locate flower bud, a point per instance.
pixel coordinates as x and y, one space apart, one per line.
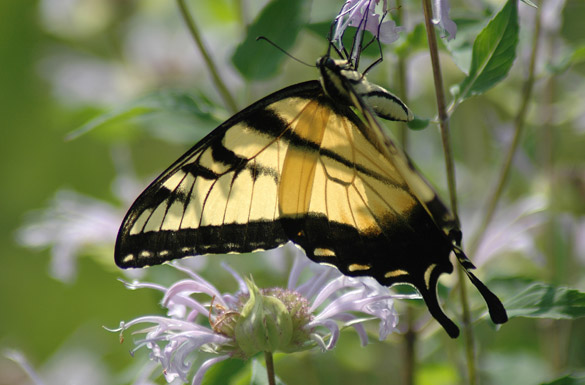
264 325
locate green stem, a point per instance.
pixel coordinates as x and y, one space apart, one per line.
518 128
556 334
467 328
450 169
409 359
270 368
409 340
401 78
222 89
441 105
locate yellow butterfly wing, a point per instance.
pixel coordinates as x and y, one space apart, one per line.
289 156
300 166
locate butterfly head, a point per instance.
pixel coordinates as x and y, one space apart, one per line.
342 83
334 78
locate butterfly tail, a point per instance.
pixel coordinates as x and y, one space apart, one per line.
429 293
496 308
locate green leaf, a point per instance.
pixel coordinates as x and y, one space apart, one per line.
225 371
468 27
578 56
494 51
574 57
167 101
320 29
547 301
280 21
418 123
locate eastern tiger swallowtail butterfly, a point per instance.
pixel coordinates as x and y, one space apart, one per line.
308 164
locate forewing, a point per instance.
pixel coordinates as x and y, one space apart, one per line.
222 195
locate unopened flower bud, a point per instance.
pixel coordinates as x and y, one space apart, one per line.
264 325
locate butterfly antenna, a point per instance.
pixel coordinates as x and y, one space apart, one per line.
283 51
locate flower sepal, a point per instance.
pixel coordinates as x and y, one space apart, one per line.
265 324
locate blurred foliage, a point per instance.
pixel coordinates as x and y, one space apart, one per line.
283 19
124 76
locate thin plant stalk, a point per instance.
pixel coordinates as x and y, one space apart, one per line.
270 368
450 170
409 340
211 67
401 78
441 106
409 349
556 334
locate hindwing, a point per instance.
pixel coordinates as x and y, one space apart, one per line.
301 166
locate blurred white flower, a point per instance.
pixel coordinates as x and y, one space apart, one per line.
74 223
71 223
75 18
512 230
579 238
69 365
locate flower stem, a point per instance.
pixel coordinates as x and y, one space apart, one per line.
555 336
518 128
410 336
409 360
401 77
441 106
450 170
269 368
221 87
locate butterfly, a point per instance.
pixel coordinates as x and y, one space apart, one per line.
309 164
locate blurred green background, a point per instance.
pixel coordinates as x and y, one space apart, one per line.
134 65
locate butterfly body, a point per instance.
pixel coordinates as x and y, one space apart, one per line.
339 80
311 165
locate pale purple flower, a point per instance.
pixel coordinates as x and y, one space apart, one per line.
362 14
71 364
441 18
578 232
19 358
340 297
512 230
318 308
552 14
70 224
74 223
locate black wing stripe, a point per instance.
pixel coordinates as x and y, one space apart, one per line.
197 170
259 124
